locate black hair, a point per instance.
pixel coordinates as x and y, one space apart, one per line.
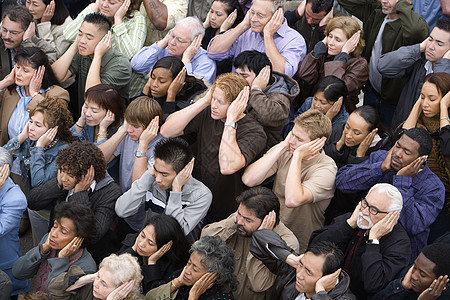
443 24
19 14
423 138
168 229
261 201
230 6
333 88
438 254
81 215
334 257
318 6
172 63
103 23
254 60
174 151
61 12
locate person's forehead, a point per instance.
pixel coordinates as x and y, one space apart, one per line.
11 25
378 199
246 212
262 6
440 35
312 14
425 265
408 143
90 28
313 262
182 31
244 70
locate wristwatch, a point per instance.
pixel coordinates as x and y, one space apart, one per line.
140 153
232 124
373 242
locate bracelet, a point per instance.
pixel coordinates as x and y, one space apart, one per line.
76 124
34 94
174 285
445 118
103 136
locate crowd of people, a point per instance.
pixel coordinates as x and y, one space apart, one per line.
225 149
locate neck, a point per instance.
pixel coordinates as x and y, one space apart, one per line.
27 91
310 295
392 16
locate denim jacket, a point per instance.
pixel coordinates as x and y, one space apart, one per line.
40 161
87 135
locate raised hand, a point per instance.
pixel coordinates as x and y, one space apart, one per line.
335 108
160 253
121 12
275 22
262 79
71 248
384 226
96 6
192 50
82 281
351 43
202 285
165 41
150 132
4 173
435 290
246 22
36 80
413 168
122 291
424 44
30 32
341 142
301 8
352 221
23 135
176 85
311 149
46 245
406 282
327 18
106 121
86 180
285 142
327 282
447 54
9 79
365 144
207 23
183 176
386 164
229 21
236 109
48 12
47 137
103 46
445 101
268 221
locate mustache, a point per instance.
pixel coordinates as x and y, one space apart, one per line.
8 40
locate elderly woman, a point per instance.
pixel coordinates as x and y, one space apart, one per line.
62 247
209 274
338 54
118 277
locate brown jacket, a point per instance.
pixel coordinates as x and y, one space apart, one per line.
254 278
9 100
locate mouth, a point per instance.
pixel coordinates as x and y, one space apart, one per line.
396 161
51 242
349 142
154 92
186 278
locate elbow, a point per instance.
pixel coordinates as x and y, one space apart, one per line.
247 179
291 201
166 132
160 25
228 170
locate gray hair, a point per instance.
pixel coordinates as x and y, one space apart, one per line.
195 25
276 4
5 158
392 193
217 257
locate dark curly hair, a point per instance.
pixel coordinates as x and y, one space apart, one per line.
56 113
78 157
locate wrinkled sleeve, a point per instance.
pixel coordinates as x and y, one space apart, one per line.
130 35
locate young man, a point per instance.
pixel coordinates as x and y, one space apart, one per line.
92 59
304 181
168 188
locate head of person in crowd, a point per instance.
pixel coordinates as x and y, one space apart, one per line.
319 260
327 92
316 10
381 199
75 161
261 13
72 220
48 114
114 271
435 87
413 143
162 233
109 8
338 31
224 91
139 113
431 263
98 101
309 126
29 61
91 32
362 121
57 16
182 35
210 255
388 8
438 43
15 22
221 9
250 63
33 296
5 158
254 205
171 156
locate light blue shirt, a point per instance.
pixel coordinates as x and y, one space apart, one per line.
430 10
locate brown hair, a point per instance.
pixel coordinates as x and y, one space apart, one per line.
142 110
315 123
134 5
349 26
231 84
440 80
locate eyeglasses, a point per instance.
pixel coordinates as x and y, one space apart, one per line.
13 33
372 209
177 39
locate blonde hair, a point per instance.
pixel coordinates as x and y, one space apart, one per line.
231 84
124 268
349 26
142 110
315 123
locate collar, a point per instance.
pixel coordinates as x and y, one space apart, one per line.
283 29
428 67
90 189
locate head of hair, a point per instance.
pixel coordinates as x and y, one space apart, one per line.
443 24
438 254
254 60
35 58
175 152
261 201
56 113
134 5
101 21
19 14
168 229
195 24
276 4
61 12
332 87
171 63
231 84
349 26
81 215
440 80
78 157
107 97
370 115
5 158
142 110
230 6
315 123
334 257
124 268
33 296
318 6
423 138
391 193
217 257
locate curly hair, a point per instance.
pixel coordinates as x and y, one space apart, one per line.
349 26
217 257
56 113
124 268
231 84
78 157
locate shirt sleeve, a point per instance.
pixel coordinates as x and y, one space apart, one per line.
71 30
146 58
130 35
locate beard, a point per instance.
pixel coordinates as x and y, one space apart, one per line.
361 218
242 231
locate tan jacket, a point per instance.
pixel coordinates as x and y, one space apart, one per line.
253 276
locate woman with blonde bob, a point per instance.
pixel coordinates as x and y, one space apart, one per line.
338 54
118 277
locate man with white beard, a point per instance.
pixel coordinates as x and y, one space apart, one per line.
376 247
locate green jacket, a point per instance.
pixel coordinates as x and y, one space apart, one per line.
408 29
